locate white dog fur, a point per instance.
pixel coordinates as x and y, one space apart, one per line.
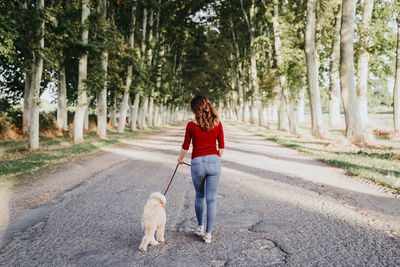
154 218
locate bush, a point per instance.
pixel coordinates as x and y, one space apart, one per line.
5 123
16 116
380 98
47 121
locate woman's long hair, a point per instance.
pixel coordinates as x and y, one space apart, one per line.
206 116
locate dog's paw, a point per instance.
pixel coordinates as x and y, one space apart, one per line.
143 248
154 243
161 240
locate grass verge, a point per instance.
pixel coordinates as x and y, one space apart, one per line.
17 164
379 162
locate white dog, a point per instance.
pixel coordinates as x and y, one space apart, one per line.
154 218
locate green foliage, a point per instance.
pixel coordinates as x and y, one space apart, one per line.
379 98
47 121
5 123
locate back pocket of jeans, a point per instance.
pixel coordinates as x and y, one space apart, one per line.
213 167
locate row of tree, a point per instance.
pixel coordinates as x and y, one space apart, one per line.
118 57
279 49
257 60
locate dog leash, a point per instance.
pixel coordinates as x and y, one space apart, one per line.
173 175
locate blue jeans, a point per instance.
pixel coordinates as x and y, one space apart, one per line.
206 173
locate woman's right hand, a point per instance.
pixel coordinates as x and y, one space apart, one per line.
182 155
220 152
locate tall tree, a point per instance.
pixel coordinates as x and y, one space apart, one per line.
27 94
396 89
82 103
102 95
363 60
313 70
349 96
125 99
36 79
255 114
334 80
62 112
282 121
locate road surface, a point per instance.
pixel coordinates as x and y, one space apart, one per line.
275 206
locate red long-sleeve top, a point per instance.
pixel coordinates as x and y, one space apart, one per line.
204 143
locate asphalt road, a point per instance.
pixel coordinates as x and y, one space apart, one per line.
274 207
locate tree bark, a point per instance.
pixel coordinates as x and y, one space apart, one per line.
396 89
285 98
353 123
102 101
114 110
27 104
363 60
27 95
282 115
255 102
82 76
86 120
102 95
125 99
62 113
135 112
35 87
300 107
144 112
334 79
312 71
150 62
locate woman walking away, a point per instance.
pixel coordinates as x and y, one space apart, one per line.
206 164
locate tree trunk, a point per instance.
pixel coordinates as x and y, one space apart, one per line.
363 60
102 101
282 115
334 79
312 71
353 123
82 76
134 115
102 96
254 116
396 89
291 111
114 110
150 116
62 113
125 99
86 120
144 111
300 107
156 115
285 94
35 89
27 104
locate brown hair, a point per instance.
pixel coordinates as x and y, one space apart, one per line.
206 116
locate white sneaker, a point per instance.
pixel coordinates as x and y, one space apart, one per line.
200 231
207 238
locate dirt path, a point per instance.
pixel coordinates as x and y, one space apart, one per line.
275 206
